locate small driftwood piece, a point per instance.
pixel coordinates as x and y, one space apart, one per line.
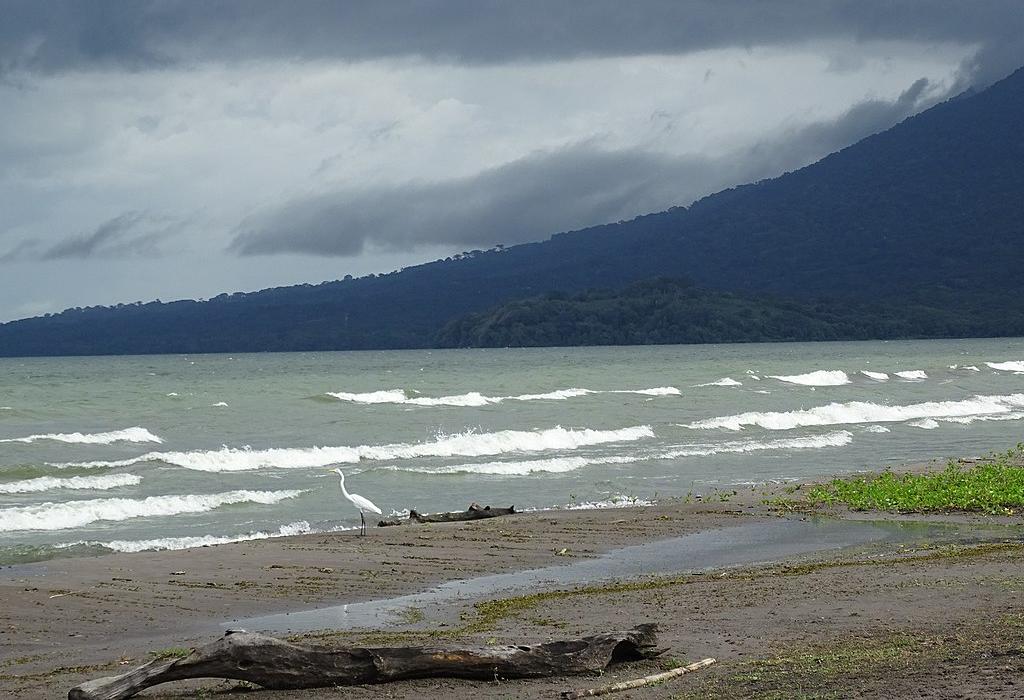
474 512
638 683
276 664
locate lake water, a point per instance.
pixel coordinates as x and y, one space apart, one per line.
131 453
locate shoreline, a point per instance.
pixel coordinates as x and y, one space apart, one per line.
68 620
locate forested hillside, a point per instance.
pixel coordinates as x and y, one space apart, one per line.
663 311
933 207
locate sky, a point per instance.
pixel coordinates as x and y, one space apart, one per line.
165 149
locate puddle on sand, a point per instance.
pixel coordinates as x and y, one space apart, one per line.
756 543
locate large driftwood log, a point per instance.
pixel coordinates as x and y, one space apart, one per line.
474 512
273 663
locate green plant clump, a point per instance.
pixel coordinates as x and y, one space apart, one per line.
996 488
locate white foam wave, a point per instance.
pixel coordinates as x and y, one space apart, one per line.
135 434
72 514
724 381
877 376
220 404
459 445
876 429
656 391
912 374
1007 366
475 398
386 396
554 465
613 502
567 464
172 543
822 377
865 412
924 423
49 483
967 420
836 439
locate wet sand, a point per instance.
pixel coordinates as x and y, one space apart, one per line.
786 602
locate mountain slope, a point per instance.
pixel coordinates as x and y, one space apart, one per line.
930 209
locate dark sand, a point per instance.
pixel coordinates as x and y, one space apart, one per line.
911 611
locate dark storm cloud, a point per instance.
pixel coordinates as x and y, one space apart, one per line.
60 34
544 193
130 234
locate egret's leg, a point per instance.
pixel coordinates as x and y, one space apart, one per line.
362 521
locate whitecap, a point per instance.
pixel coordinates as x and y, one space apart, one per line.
567 464
72 514
462 444
175 543
724 381
613 502
912 374
876 429
967 420
1007 366
48 483
135 434
219 404
865 412
877 376
924 423
476 399
822 377
837 439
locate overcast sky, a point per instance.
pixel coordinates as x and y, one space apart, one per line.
166 149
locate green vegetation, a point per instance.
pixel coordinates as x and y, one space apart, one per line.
995 487
667 310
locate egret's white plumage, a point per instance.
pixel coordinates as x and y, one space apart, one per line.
363 504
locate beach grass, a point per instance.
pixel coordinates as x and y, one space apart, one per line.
994 487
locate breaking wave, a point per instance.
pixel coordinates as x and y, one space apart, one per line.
568 464
724 381
1007 366
823 377
912 374
63 516
135 434
475 398
228 459
49 483
165 543
877 376
924 423
865 412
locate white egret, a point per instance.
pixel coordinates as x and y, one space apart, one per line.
363 504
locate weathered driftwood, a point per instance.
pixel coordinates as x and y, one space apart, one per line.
474 512
273 663
638 683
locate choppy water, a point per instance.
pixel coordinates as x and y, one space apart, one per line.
131 453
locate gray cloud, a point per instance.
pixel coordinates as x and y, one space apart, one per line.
547 192
62 34
521 201
127 235
811 142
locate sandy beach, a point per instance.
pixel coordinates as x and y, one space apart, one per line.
791 604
